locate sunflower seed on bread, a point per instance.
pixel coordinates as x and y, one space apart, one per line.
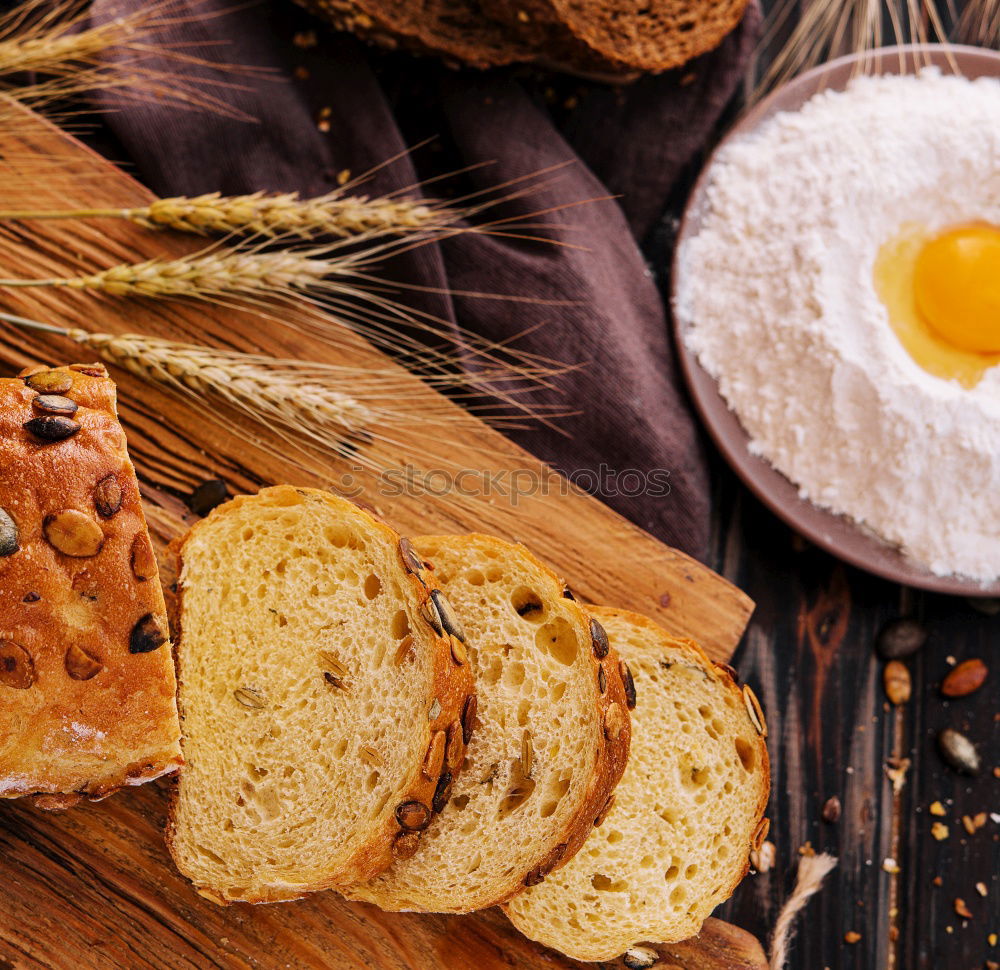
549 747
306 730
676 841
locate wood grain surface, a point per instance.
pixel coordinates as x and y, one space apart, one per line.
93 888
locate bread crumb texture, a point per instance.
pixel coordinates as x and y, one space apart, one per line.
307 681
676 840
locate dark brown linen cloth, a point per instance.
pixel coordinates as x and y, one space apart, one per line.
598 301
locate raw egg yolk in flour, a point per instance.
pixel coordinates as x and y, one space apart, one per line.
943 296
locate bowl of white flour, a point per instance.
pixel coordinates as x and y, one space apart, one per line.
813 221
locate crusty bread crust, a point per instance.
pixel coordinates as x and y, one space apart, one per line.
87 705
452 686
610 730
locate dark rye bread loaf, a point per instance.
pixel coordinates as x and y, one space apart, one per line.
644 35
456 29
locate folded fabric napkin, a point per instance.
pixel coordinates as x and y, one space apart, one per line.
598 304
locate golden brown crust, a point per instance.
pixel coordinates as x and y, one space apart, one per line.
452 687
87 693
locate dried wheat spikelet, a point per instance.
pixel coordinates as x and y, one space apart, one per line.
270 214
335 409
58 42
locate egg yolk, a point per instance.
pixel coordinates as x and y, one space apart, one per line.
957 287
942 294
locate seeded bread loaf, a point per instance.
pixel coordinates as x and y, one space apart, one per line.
86 675
324 684
552 739
676 840
644 35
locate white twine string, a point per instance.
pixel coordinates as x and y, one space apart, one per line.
812 871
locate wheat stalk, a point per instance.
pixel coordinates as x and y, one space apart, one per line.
335 408
269 214
57 42
979 23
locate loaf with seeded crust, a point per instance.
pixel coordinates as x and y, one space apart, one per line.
325 692
551 742
676 840
87 693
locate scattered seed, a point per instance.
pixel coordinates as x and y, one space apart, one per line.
334 681
602 679
518 793
430 613
413 816
331 663
107 496
764 858
142 558
890 866
536 875
469 709
146 635
435 710
568 593
964 679
454 751
52 427
760 833
599 640
404 651
973 823
405 845
896 680
73 534
640 958
895 771
614 721
250 697
371 757
91 370
527 754
449 621
207 496
17 669
458 652
940 831
961 909
8 534
442 792
959 751
831 809
434 759
851 936
55 404
981 889
900 638
754 710
50 382
411 561
628 683
80 665
936 808
31 597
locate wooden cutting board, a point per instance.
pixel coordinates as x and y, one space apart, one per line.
93 887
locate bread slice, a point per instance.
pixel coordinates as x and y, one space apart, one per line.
321 672
552 740
458 29
645 35
689 809
87 694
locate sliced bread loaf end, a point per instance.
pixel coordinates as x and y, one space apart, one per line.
317 679
676 840
552 739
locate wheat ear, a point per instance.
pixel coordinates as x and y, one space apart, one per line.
270 214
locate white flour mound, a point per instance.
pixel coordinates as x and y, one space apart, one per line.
776 297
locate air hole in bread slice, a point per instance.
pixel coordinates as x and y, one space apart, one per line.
527 604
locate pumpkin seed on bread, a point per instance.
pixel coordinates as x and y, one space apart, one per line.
551 743
676 840
320 673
